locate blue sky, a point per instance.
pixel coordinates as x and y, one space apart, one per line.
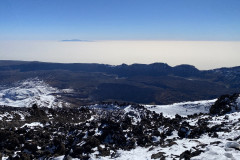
204 20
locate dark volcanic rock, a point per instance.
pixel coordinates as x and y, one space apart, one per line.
70 132
159 155
224 104
184 130
187 155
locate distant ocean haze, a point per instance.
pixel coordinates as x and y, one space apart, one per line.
202 54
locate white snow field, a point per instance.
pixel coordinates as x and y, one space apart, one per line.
183 108
29 92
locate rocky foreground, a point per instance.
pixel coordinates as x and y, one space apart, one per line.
120 131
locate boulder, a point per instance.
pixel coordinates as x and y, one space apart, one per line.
224 104
184 130
159 155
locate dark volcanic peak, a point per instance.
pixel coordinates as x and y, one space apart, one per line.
154 69
186 67
186 70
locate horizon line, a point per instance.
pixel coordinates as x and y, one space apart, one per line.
128 64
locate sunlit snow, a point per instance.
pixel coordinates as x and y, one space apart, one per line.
183 108
29 92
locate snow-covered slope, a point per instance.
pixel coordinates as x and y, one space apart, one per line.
123 132
29 92
115 131
223 147
183 108
220 142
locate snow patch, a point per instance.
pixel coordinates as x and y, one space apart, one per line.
29 92
33 124
183 108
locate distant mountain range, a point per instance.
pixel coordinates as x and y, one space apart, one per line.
156 83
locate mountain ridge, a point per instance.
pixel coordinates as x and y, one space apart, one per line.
156 83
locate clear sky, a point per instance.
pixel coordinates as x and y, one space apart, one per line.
205 33
120 19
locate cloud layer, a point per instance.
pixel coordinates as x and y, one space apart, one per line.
202 54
